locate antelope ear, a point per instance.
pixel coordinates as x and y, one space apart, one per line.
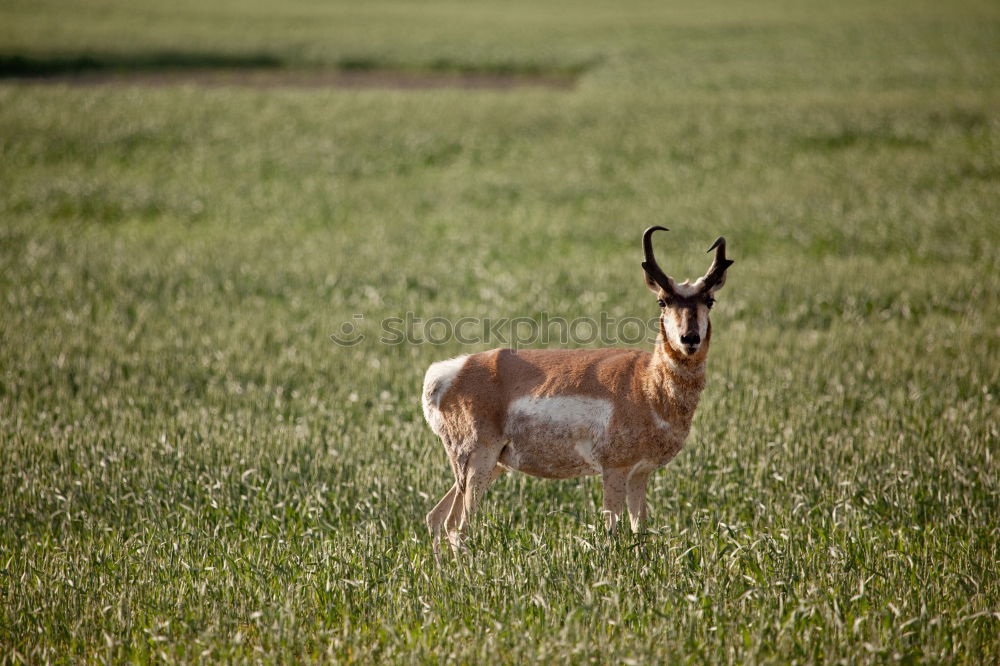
651 284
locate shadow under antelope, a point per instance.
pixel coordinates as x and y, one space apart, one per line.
558 414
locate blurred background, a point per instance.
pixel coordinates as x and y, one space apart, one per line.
195 196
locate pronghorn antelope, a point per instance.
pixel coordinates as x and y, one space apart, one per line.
557 414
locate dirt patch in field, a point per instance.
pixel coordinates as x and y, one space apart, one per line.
306 78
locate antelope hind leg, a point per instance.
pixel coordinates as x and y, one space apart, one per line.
458 519
439 514
637 482
614 496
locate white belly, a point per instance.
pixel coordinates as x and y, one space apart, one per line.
556 437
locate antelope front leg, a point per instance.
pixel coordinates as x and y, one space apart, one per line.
614 496
637 482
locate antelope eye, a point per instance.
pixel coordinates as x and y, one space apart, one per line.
710 302
662 303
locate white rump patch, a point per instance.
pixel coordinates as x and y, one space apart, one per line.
437 381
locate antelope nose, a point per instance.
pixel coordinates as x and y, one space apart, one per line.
690 338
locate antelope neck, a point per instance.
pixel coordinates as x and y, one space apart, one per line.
675 381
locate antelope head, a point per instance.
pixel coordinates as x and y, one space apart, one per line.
684 307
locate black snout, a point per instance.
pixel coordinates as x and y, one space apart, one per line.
690 339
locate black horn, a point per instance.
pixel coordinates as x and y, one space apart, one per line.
649 265
716 274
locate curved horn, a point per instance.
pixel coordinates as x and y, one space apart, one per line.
716 274
649 265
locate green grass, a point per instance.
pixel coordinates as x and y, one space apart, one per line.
192 470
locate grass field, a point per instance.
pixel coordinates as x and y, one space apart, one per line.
191 469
